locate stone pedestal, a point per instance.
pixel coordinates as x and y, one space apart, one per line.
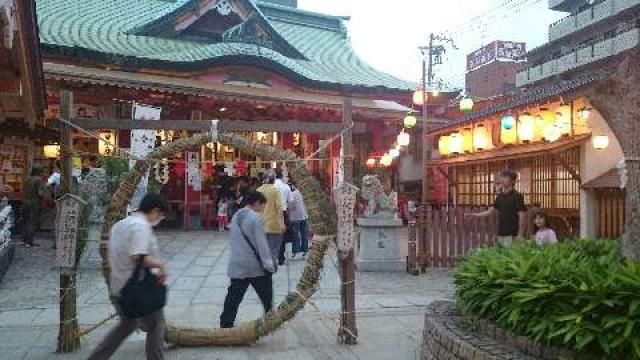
380 245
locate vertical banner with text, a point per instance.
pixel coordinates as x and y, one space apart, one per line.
142 143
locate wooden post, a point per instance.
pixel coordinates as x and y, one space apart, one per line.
68 340
348 333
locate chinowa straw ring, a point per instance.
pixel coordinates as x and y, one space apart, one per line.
322 216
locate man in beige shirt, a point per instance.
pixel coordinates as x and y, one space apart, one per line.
272 215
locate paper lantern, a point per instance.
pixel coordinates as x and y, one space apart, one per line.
600 142
51 151
508 122
394 153
410 121
404 139
480 137
371 162
466 105
467 142
443 145
552 133
456 143
386 160
107 146
526 127
419 97
563 119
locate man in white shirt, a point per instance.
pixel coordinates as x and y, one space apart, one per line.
285 194
130 239
284 189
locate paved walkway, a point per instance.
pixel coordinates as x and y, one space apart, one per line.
389 307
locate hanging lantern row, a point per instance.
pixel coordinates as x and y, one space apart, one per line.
545 125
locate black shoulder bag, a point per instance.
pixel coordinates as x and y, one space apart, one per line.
142 296
253 248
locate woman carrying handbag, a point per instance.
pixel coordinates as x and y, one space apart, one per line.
137 279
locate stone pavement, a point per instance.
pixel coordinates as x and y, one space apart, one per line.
390 306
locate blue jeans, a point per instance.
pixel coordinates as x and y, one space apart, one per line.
300 236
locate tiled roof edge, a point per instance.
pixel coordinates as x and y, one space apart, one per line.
133 62
531 96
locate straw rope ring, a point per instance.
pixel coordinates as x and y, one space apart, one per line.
322 217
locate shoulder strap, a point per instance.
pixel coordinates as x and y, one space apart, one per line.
253 248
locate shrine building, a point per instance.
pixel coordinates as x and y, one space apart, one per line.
268 69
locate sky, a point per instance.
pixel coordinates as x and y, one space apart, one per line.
387 34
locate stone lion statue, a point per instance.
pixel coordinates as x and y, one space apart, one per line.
379 204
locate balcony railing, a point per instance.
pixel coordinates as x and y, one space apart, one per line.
598 12
583 56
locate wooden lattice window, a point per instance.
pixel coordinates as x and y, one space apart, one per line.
547 179
554 183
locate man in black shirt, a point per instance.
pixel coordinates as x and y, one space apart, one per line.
511 210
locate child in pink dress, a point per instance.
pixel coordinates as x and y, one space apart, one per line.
223 217
544 234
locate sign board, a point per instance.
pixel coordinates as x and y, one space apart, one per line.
142 143
497 50
69 211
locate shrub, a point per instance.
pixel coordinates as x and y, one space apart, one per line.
578 295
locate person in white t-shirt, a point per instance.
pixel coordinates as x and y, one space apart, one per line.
285 194
130 239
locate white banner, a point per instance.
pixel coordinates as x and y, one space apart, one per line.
142 143
194 174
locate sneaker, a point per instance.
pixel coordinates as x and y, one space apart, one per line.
293 256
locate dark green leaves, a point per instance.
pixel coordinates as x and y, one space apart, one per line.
579 295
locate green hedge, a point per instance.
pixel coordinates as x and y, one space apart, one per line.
578 295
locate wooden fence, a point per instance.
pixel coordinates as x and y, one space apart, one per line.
439 235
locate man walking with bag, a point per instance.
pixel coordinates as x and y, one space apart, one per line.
251 261
133 248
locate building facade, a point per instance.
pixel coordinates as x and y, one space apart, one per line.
561 146
492 69
267 69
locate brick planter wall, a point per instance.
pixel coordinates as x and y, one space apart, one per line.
448 336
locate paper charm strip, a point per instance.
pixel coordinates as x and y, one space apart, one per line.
345 199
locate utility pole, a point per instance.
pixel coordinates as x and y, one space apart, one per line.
431 55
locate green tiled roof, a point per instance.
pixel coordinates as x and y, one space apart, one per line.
104 30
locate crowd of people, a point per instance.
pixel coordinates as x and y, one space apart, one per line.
262 222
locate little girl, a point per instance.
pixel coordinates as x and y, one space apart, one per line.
544 234
223 217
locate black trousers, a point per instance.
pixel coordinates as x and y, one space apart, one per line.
263 287
286 237
30 216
